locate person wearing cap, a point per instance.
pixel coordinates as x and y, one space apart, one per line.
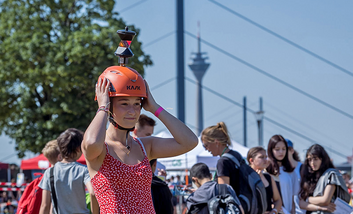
294 160
118 164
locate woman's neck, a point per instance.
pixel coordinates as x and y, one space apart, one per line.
116 134
279 163
223 150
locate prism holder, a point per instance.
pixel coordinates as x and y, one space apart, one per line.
124 52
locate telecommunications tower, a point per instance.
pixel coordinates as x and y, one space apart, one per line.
199 67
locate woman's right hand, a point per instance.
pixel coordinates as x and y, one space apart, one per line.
102 92
330 208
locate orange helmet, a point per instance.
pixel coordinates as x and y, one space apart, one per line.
124 81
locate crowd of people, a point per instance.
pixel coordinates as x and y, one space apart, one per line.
120 176
291 186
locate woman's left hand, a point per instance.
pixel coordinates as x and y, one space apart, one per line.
149 104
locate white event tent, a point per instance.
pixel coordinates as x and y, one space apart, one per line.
197 155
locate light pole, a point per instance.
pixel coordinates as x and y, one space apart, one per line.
259 115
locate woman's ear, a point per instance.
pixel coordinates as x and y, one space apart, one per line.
251 160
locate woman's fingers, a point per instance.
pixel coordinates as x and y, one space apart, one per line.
107 86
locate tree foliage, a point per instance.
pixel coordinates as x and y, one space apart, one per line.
51 54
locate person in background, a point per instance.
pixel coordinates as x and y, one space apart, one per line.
321 183
144 127
51 152
281 168
161 195
216 140
294 160
206 189
70 178
257 160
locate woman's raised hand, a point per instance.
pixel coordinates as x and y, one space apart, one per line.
102 92
149 104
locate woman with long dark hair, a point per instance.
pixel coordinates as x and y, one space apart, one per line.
282 170
321 183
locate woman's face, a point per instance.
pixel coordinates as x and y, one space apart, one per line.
314 162
126 110
260 161
211 147
279 151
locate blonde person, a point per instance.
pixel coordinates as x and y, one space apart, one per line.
216 140
118 163
51 152
257 159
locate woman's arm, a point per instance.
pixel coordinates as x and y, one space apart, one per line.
93 140
184 139
46 202
277 201
331 207
326 198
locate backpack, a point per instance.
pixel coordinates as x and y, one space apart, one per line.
223 203
252 193
31 198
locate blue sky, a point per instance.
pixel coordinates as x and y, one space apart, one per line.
321 26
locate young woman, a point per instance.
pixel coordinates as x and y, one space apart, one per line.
257 159
282 170
216 140
119 164
321 183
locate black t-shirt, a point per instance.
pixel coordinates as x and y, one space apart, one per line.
162 197
226 167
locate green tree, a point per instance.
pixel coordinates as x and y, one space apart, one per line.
51 54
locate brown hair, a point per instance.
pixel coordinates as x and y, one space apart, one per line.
253 152
273 168
295 154
145 120
51 151
69 141
218 132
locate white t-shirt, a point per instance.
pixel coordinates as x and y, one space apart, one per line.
289 184
69 182
297 189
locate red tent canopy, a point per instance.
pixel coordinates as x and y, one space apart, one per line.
41 162
4 165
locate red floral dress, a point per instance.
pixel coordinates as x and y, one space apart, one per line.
122 188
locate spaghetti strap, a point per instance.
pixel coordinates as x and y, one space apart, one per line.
106 146
141 144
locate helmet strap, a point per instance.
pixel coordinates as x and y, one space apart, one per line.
117 126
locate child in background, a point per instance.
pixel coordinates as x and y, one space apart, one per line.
207 189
